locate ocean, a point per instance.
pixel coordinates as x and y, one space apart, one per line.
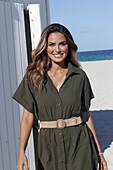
95 55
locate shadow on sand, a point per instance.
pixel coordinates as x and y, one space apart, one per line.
103 123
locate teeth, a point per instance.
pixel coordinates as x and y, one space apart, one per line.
58 55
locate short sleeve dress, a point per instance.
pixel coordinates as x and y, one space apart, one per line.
72 148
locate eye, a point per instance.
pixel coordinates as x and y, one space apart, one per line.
63 43
51 44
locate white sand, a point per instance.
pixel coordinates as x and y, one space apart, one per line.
100 74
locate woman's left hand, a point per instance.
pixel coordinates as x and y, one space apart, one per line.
102 163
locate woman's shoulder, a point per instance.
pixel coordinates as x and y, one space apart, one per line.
78 70
28 81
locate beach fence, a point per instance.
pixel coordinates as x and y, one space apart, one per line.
21 24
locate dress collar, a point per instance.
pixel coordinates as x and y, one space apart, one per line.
73 69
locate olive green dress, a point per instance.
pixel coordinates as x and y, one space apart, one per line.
72 148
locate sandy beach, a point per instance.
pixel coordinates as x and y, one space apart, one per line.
100 74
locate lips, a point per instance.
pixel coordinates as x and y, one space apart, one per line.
58 55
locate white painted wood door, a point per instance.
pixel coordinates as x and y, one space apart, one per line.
13 62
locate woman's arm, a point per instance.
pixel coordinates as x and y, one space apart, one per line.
87 118
26 126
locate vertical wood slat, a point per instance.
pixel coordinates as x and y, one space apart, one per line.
44 12
35 23
12 53
7 89
24 62
22 38
15 43
3 122
35 29
17 48
18 61
21 58
13 61
12 71
44 9
1 153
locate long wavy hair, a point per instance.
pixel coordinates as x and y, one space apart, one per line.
41 62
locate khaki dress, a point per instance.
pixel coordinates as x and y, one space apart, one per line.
72 148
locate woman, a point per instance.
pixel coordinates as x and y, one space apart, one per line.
58 92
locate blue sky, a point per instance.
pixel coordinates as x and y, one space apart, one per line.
90 22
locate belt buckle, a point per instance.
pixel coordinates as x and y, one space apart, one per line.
39 124
61 124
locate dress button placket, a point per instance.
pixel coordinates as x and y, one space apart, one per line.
61 151
61 155
59 104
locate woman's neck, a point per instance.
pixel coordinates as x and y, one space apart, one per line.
58 67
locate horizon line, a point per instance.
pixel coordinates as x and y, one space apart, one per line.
95 50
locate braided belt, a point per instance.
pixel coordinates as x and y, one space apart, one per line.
61 123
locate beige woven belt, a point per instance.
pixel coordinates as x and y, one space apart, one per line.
61 123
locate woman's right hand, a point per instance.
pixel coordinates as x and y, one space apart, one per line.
22 161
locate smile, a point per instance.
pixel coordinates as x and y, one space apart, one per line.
58 55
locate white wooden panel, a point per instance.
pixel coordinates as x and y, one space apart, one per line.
23 48
1 158
44 9
13 56
17 43
7 89
35 24
43 14
21 62
13 62
12 72
3 121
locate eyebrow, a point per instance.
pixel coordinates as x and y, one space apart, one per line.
59 42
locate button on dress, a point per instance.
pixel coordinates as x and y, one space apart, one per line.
72 148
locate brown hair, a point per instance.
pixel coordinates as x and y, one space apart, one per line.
41 61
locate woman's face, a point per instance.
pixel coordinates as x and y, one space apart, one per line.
57 47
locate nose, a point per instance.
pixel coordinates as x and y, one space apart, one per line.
57 49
